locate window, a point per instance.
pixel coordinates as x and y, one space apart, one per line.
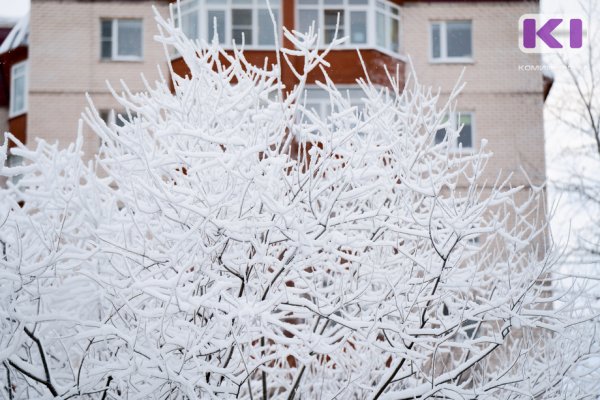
18 89
228 21
451 41
465 137
121 39
318 101
352 14
112 118
388 26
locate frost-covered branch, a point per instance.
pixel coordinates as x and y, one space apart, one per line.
227 241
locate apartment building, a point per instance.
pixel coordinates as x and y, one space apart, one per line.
502 102
75 46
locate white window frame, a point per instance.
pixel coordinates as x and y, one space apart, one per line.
443 58
202 7
115 40
385 8
453 121
318 99
371 8
14 74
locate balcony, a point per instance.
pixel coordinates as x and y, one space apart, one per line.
373 26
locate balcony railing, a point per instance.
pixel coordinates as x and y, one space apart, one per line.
368 24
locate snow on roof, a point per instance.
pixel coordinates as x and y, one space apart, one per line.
18 36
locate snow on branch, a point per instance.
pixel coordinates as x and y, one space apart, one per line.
227 241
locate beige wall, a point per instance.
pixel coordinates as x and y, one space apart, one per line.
64 54
508 103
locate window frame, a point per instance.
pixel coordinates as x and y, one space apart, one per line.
113 118
318 97
114 37
384 8
454 120
444 58
201 8
371 9
12 113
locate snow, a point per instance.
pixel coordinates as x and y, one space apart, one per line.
195 257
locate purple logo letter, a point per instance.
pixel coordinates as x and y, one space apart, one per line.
576 33
545 33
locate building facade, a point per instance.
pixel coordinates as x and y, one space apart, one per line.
75 46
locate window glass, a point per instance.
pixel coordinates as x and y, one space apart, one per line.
189 24
440 134
241 20
266 34
436 51
459 38
19 94
18 89
106 41
466 134
306 18
331 22
122 119
129 38
394 35
358 27
380 29
216 19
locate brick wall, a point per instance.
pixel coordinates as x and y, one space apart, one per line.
508 103
65 63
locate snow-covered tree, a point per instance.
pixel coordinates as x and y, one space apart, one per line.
228 242
573 110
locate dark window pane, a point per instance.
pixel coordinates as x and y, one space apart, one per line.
435 41
106 49
241 20
122 119
466 134
331 17
106 29
241 17
440 135
106 39
459 39
242 36
105 116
